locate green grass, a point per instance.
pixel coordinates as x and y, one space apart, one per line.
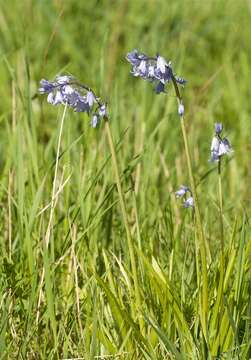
77 297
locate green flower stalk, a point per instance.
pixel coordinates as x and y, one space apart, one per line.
160 72
68 91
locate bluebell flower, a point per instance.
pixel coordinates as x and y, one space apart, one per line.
180 80
218 127
67 90
64 79
102 110
154 69
46 86
188 202
95 120
163 71
55 98
96 117
215 145
161 64
219 146
160 87
142 68
70 95
186 194
82 106
135 58
90 98
225 147
182 191
181 109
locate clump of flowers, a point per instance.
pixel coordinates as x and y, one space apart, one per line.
219 146
154 69
67 90
186 194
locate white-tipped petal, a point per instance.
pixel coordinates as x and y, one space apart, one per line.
161 64
90 98
181 110
215 144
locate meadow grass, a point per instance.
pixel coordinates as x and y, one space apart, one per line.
78 295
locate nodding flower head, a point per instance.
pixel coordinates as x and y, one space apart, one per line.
186 194
181 109
67 90
218 127
182 191
188 202
219 146
155 69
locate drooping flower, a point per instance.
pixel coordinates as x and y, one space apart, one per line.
67 90
218 127
64 79
163 71
96 117
182 191
188 202
70 95
180 80
55 97
160 87
186 194
94 121
181 109
90 98
135 58
225 147
82 106
161 64
46 86
219 146
155 69
102 110
215 145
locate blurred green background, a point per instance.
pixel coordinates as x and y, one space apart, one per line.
208 44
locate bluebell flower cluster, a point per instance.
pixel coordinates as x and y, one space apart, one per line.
185 193
67 90
219 146
155 69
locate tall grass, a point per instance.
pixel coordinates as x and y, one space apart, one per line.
85 306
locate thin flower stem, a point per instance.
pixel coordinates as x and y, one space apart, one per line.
221 206
222 266
48 232
202 242
125 217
